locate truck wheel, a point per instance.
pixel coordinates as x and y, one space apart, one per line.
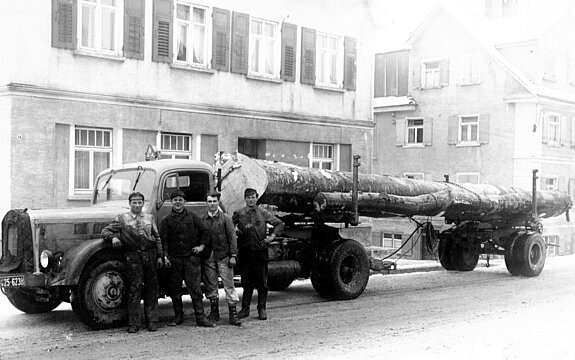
26 300
101 295
531 254
511 254
319 276
348 270
464 255
444 250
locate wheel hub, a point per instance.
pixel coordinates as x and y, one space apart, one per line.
347 269
108 291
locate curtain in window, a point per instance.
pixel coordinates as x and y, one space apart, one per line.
82 170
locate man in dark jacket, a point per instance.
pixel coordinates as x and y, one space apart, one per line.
136 232
225 249
253 241
184 237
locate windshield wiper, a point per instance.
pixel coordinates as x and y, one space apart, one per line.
112 173
140 172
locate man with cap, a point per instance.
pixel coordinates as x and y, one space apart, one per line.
253 241
136 232
185 236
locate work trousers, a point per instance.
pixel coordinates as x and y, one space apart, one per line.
254 268
214 267
188 269
141 271
210 276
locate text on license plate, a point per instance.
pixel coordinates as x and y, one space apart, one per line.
12 281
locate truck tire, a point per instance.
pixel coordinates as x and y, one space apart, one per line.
101 296
511 254
531 254
25 300
319 275
464 255
444 250
348 270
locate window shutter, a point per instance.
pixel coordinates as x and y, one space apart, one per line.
427 130
391 74
484 120
379 76
544 124
240 42
221 39
444 72
162 36
134 19
416 74
399 132
403 73
565 130
350 63
307 68
64 24
571 119
345 157
453 130
289 50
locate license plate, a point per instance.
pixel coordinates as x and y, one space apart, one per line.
12 281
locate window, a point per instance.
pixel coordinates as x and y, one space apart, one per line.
322 156
391 74
251 147
92 154
469 129
414 131
550 66
329 57
190 37
414 176
571 70
553 129
264 48
509 8
176 146
467 178
431 74
100 25
550 183
552 242
392 241
195 185
470 69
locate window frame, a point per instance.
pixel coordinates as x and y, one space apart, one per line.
470 69
339 54
171 153
551 239
436 74
553 128
550 65
334 160
91 149
97 28
554 180
276 48
414 175
469 129
458 176
207 48
416 129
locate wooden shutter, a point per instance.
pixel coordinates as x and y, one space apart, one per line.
484 125
134 20
399 132
64 24
345 157
444 72
307 68
221 39
163 30
350 63
416 74
379 77
453 129
427 130
565 130
391 74
403 73
240 42
289 50
544 129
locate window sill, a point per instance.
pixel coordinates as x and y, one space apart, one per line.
470 83
189 67
264 78
467 144
328 88
414 146
431 87
86 197
81 52
553 144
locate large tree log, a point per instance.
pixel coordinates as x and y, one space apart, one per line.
294 189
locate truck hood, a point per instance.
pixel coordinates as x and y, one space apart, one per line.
76 215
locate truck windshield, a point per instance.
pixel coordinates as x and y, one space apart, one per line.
117 186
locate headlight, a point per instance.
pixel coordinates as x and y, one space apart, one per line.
46 259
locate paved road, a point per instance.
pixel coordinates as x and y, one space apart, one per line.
433 315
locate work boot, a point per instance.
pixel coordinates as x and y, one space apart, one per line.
178 320
153 326
246 300
201 319
262 313
234 316
214 309
132 329
262 300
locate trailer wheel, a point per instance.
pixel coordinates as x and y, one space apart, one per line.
444 250
531 254
348 270
464 255
101 295
511 254
319 275
25 300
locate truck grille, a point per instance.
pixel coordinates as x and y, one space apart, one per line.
17 250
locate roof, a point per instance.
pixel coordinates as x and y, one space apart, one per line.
164 165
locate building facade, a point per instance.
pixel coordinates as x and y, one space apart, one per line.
88 84
481 102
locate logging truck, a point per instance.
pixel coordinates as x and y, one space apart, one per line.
51 256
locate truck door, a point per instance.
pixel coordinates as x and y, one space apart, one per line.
194 184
